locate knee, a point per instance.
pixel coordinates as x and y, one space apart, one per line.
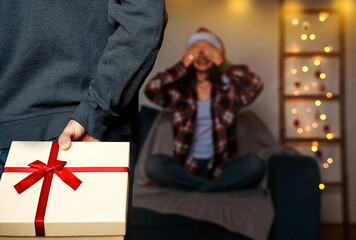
154 165
255 164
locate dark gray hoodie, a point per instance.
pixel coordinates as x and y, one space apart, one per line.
80 59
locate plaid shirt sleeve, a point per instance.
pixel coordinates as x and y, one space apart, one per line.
247 85
157 90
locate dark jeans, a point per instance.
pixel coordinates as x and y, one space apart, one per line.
238 173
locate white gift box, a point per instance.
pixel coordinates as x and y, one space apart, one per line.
97 209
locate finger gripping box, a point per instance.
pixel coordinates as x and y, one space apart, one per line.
81 193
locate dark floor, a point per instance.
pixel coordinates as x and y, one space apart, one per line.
335 232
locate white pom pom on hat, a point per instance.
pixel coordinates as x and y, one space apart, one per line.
204 34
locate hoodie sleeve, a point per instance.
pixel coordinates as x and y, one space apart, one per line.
127 60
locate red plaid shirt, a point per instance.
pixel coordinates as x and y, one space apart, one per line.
239 87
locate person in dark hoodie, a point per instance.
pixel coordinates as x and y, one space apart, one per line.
72 69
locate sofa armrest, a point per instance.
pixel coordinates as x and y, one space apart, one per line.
146 117
294 184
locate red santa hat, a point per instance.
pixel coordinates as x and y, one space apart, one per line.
204 34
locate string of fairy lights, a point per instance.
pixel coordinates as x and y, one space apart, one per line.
319 118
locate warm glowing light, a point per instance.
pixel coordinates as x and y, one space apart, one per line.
312 36
308 109
304 36
315 143
294 110
323 16
323 117
315 125
294 71
330 160
321 186
295 22
292 5
239 6
329 95
305 69
330 136
296 93
316 62
300 130
314 84
295 49
306 88
347 7
317 103
314 148
322 75
307 128
325 165
327 49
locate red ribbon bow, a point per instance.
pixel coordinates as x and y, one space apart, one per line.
57 167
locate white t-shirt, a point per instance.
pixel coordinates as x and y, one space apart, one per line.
203 143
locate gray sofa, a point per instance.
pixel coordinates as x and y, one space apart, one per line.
292 181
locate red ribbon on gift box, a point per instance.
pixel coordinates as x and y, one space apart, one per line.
40 170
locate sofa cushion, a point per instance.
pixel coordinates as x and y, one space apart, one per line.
146 117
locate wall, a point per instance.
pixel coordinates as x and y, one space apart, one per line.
250 37
250 30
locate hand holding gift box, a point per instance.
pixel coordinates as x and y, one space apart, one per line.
48 207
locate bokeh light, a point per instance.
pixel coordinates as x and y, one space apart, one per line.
330 136
312 36
322 75
314 148
316 62
327 49
323 16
